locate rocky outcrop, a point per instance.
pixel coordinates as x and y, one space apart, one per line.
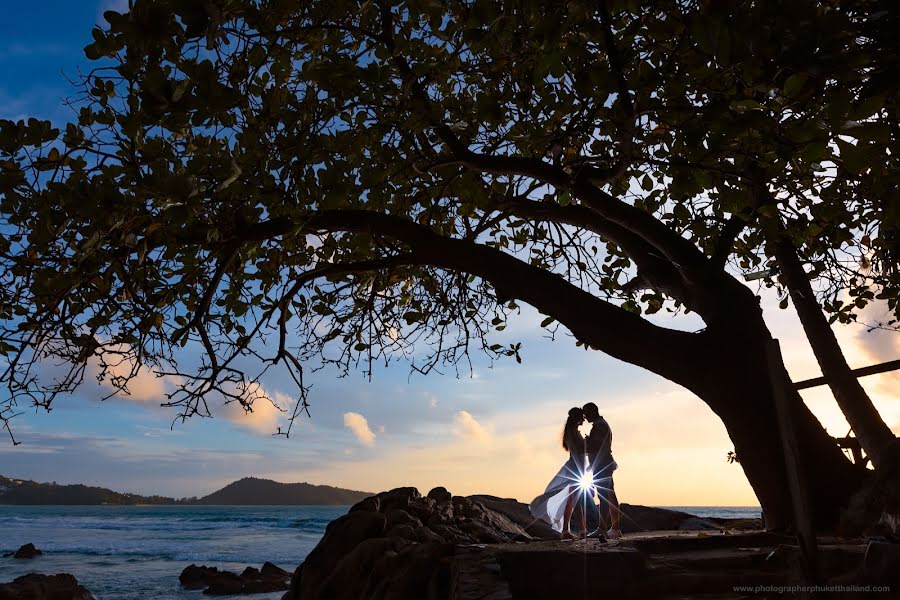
398 544
214 582
25 551
44 587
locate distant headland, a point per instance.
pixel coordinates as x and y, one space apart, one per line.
246 491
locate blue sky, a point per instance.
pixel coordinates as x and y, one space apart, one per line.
493 432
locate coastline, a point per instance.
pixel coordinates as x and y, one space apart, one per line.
127 552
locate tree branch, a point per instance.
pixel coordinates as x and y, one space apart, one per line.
599 324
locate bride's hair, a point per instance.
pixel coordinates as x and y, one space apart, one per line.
576 416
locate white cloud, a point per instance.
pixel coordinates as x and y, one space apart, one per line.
358 424
143 384
266 411
432 399
469 427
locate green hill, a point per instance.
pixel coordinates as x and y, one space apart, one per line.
23 491
251 490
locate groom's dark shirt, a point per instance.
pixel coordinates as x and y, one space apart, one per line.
599 447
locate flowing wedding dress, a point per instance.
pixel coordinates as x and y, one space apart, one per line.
551 505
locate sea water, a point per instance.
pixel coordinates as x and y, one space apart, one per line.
138 552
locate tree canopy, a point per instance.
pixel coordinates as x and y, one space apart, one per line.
343 182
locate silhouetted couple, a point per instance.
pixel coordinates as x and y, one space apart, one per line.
588 471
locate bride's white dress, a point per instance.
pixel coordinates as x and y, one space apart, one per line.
551 505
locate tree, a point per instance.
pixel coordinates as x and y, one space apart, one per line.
808 175
349 180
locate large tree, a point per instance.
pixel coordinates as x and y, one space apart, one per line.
287 184
808 187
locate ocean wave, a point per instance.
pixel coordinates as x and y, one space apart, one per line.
210 523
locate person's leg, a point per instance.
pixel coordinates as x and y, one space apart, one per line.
614 512
567 513
602 508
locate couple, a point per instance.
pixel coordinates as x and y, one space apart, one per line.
588 471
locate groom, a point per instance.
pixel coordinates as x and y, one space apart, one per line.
598 446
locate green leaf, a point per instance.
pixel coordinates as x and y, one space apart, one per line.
794 84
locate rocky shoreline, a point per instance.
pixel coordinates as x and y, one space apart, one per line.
400 545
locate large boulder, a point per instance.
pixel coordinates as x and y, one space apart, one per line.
397 545
44 587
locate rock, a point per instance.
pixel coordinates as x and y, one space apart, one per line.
422 508
739 524
195 578
440 494
271 570
389 535
251 581
696 523
294 589
404 531
647 518
398 516
519 514
250 572
341 536
27 551
44 587
369 504
225 583
397 498
351 577
424 534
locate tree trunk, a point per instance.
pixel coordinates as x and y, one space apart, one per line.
870 429
739 391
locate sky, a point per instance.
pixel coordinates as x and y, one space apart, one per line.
495 430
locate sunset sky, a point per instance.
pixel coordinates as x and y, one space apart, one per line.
493 431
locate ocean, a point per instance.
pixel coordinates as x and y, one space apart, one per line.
138 552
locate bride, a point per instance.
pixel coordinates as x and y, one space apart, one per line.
557 503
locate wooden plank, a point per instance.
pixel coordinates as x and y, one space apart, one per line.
884 367
793 462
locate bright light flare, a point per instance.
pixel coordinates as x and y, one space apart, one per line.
586 481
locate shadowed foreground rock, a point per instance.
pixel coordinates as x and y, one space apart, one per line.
220 583
399 545
44 587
